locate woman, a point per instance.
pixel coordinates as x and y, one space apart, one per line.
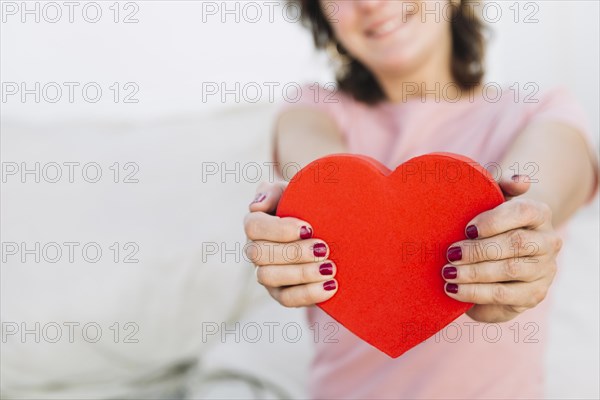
409 83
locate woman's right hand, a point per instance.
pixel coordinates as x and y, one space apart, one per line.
290 263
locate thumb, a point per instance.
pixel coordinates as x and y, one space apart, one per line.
516 185
267 197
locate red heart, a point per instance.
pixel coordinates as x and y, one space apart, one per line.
388 234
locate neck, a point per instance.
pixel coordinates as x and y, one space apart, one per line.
431 80
401 88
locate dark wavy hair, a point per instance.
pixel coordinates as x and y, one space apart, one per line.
468 51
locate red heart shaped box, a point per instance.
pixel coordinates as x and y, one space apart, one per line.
388 234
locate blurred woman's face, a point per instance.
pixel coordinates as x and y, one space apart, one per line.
392 36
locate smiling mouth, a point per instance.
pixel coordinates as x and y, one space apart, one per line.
387 27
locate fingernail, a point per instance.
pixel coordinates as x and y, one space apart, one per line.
305 232
326 269
452 288
472 232
449 272
319 249
515 178
329 285
259 198
454 253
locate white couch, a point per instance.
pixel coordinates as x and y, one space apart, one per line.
178 287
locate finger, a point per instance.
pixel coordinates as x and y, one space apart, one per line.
513 214
515 294
267 197
516 185
262 252
515 243
305 295
526 269
262 226
296 274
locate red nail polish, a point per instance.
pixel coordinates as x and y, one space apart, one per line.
452 288
305 232
472 232
454 253
515 178
319 249
449 272
326 269
329 285
259 198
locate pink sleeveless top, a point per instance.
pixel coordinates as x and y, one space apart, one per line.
467 359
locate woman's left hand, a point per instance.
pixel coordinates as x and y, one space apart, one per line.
509 261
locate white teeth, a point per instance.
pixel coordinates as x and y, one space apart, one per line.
385 28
